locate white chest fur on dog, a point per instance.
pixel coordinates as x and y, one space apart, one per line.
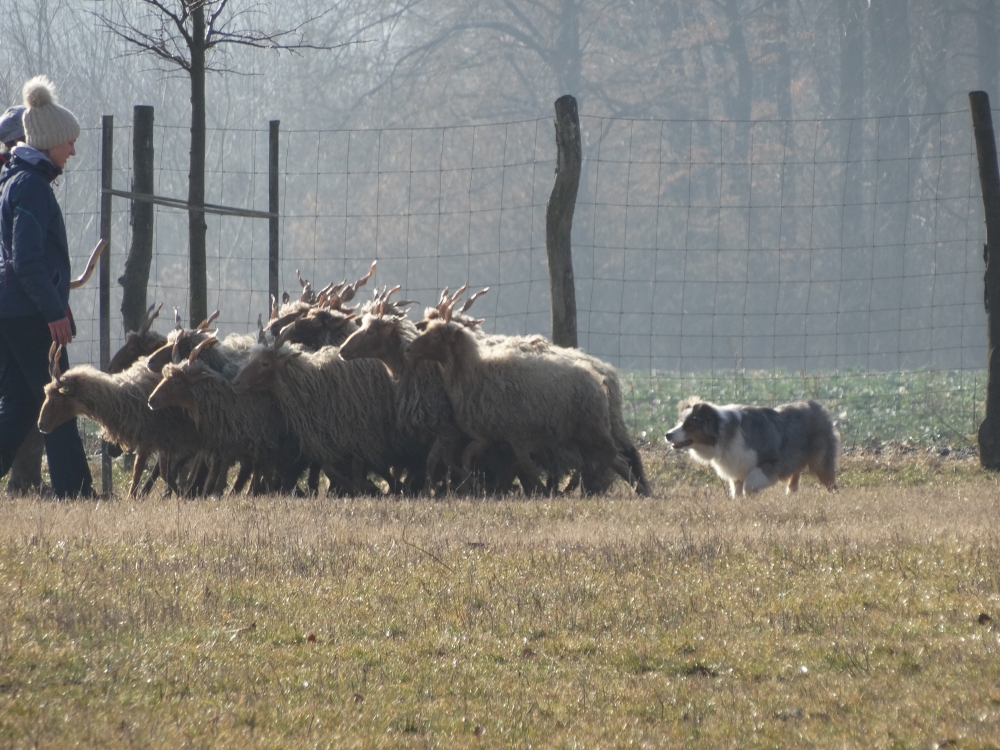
731 458
753 447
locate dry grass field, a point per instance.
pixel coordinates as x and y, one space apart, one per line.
865 618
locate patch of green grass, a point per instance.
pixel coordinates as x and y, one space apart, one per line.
919 408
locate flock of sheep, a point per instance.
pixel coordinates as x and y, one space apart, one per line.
364 395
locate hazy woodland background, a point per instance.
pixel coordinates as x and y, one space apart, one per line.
767 185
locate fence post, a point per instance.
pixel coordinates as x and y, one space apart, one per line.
135 278
272 206
559 221
107 162
989 179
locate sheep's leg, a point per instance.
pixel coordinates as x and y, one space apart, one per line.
166 472
154 474
246 469
222 480
793 483
434 460
574 482
527 470
211 468
339 484
313 480
138 466
622 469
204 475
359 477
472 450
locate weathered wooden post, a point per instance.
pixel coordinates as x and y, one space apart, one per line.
107 163
989 179
135 278
273 205
559 221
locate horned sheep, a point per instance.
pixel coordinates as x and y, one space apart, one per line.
118 403
533 403
249 430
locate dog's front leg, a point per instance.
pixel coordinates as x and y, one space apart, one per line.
735 488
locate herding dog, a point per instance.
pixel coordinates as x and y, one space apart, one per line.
753 447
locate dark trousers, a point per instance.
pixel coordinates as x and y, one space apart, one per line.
24 371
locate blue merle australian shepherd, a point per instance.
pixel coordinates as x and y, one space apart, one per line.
753 447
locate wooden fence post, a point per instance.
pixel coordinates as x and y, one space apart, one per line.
135 278
559 221
107 163
989 179
273 256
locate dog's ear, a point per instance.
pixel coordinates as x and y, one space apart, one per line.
683 406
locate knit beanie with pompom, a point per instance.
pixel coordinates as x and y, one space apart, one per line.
46 124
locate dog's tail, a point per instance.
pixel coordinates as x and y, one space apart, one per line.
823 458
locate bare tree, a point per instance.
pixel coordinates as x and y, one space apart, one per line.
188 34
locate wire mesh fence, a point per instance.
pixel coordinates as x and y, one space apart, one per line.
745 261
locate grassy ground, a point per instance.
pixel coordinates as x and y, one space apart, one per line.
865 618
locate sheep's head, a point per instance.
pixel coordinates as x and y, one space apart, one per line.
372 340
139 343
179 381
61 404
319 328
289 313
381 335
435 343
265 366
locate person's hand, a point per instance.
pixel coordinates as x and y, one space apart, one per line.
62 332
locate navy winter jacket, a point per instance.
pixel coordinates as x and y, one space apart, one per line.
35 268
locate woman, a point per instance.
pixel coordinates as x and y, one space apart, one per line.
34 286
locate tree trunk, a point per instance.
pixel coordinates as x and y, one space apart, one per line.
989 178
197 271
559 221
135 278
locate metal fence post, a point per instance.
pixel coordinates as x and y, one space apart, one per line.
273 256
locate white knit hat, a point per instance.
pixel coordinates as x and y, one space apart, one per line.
46 124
